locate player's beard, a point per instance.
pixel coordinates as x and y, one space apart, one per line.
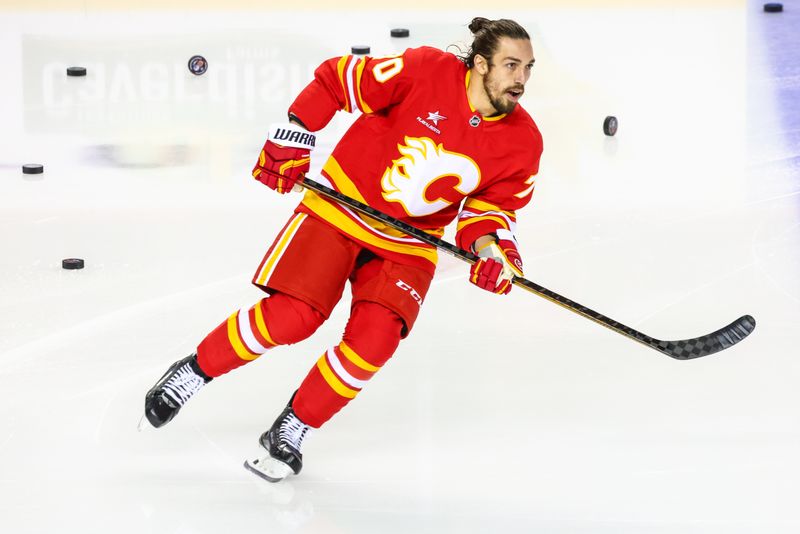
497 97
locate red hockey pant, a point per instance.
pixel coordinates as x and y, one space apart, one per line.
305 271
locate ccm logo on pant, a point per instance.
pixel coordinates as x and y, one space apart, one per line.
413 292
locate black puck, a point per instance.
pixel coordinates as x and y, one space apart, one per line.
72 263
76 71
359 50
773 8
399 32
32 168
198 65
610 125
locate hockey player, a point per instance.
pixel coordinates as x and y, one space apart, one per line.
440 137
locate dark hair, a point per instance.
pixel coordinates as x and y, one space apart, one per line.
487 34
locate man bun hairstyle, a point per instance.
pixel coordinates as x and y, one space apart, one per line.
487 34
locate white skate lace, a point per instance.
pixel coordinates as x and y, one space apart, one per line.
183 384
294 431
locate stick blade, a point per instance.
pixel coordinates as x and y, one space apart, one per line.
689 349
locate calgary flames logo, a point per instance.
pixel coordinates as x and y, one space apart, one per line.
422 164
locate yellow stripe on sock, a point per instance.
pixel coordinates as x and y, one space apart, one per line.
236 341
357 360
333 381
262 326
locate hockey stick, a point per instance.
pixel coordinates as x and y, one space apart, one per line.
685 349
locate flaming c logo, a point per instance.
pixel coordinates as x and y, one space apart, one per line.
421 164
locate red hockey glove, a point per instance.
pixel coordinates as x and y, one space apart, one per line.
487 274
285 158
500 262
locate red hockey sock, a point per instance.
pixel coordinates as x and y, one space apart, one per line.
370 338
248 333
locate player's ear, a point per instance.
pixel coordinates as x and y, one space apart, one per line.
481 64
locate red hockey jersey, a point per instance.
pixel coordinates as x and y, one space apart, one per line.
420 152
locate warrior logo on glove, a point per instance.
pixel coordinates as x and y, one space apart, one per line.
285 158
293 136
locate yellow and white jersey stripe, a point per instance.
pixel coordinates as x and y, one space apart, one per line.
371 233
475 211
350 70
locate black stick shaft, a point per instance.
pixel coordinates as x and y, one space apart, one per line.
707 344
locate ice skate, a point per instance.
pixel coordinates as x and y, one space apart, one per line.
182 380
283 442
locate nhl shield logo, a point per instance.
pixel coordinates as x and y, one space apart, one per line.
474 121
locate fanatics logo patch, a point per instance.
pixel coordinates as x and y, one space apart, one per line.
475 121
433 117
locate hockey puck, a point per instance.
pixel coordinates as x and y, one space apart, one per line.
773 8
32 168
198 65
76 71
359 50
399 32
72 263
610 125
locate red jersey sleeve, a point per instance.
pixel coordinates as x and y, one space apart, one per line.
488 210
353 83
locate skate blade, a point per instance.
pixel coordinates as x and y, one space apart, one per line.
144 425
268 468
